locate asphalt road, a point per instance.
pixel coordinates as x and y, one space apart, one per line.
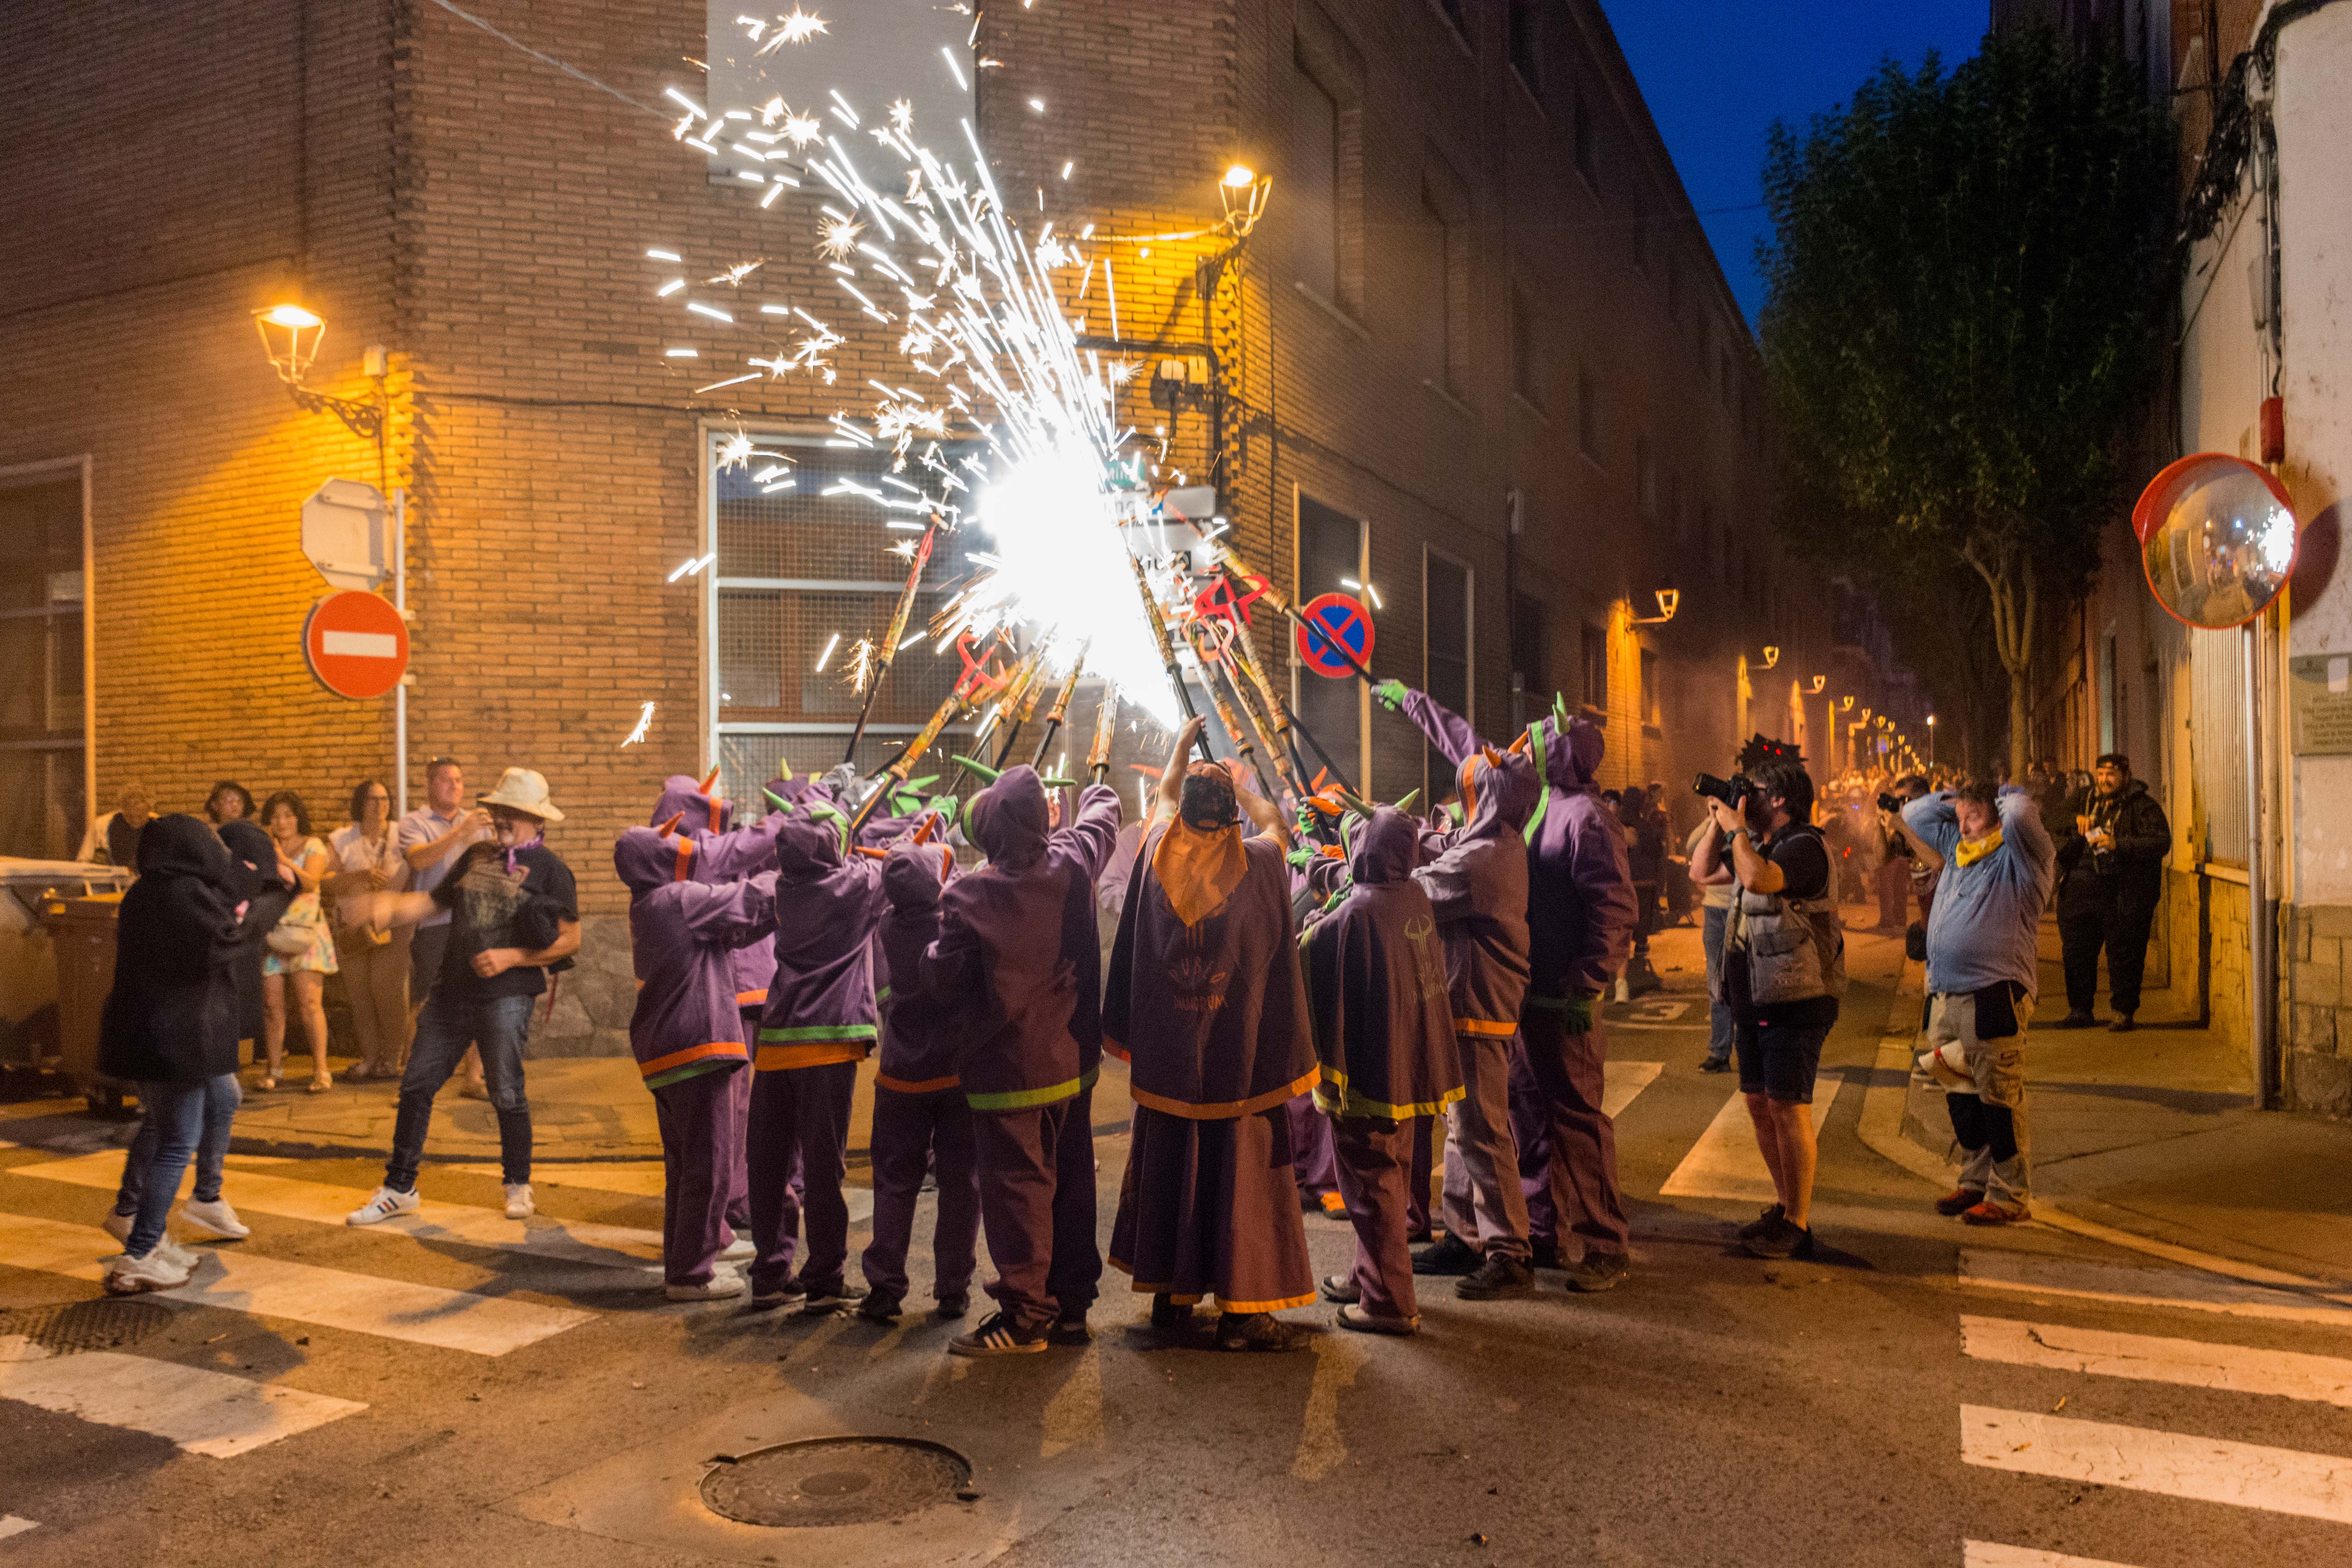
478 1391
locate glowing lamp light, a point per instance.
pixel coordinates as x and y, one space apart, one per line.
1771 656
1669 601
1845 702
1239 176
289 336
1819 681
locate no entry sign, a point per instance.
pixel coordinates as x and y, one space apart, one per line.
1334 619
356 643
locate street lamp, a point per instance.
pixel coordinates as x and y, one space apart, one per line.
1669 601
1931 742
1243 191
1771 656
291 337
1819 681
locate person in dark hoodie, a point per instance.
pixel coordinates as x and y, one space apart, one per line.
170 1022
921 1120
815 1027
724 852
1580 918
1376 988
1016 938
1206 1005
687 1034
1478 888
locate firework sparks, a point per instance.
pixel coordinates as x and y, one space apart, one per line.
837 238
861 655
797 28
645 722
733 277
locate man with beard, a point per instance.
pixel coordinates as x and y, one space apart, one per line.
2110 875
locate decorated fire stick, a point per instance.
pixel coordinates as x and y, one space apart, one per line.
1286 723
1106 726
890 650
1030 695
1196 632
1168 654
1061 709
894 773
1244 700
1273 596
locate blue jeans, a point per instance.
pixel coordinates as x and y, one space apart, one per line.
450 1022
175 1114
223 1095
1718 1012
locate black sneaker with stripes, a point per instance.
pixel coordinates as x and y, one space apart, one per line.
997 1336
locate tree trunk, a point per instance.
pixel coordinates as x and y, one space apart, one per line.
2009 578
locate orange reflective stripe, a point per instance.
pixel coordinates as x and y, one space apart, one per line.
1112 1047
1485 1027
1228 1109
751 998
691 1054
924 1085
812 1054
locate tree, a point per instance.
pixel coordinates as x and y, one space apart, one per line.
1959 332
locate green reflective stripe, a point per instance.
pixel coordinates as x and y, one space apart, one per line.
1087 1079
1543 797
1022 1099
691 1069
817 1032
1346 1101
882 995
1556 1004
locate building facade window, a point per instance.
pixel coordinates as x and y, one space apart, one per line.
1332 546
1313 197
1446 654
796 570
1527 349
1531 676
1646 476
1649 693
44 743
1596 667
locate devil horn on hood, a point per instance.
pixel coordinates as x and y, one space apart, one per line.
982 769
667 828
708 779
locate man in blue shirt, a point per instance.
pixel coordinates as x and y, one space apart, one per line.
1982 977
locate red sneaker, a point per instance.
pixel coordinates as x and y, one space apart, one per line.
1959 1200
1991 1213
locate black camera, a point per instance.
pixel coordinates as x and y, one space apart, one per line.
1894 803
1732 791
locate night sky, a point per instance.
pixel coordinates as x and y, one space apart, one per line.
1717 73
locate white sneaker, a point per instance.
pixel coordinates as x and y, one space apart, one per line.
382 1206
215 1217
128 1276
735 1251
118 1225
518 1203
722 1283
179 1257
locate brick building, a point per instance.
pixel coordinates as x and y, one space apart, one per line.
1477 353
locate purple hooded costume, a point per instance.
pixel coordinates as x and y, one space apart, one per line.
1017 957
919 1118
1580 918
1211 1015
817 1025
1384 1031
687 1032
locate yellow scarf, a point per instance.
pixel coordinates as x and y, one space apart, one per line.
1969 851
1198 870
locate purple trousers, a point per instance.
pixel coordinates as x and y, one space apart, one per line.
1416 1186
912 1132
739 1175
800 1124
1310 1152
1373 1160
699 1132
1020 1166
1076 1277
1567 1145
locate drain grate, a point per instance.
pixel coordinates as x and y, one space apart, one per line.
101 1324
837 1481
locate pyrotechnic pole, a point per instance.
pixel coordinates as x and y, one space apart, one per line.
1106 726
1240 737
1168 653
1246 701
1031 692
894 773
1236 566
1061 709
1016 683
1286 723
890 650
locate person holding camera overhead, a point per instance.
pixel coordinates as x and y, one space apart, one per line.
1783 970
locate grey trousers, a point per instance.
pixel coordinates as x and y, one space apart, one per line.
1484 1204
1996 1148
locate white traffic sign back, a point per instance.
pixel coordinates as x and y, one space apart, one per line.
345 534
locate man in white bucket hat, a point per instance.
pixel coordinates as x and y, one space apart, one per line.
514 917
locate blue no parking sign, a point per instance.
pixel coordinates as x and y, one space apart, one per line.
1334 619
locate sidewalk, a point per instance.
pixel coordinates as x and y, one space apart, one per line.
2155 1133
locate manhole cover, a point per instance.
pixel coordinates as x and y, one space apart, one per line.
835 1480
104 1324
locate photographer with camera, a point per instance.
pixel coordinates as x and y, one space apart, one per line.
1783 968
1981 982
2110 875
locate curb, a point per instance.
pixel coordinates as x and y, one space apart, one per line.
1883 1104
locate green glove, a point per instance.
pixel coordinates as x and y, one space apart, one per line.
1390 694
945 804
1576 1016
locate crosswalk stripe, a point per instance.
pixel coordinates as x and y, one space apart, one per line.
2193 1364
2035 1274
2171 1464
245 1281
1985 1554
1726 1164
643 1178
1621 1081
201 1411
290 1197
11 1525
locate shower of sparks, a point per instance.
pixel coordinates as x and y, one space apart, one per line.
972 295
827 657
645 722
733 277
798 28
